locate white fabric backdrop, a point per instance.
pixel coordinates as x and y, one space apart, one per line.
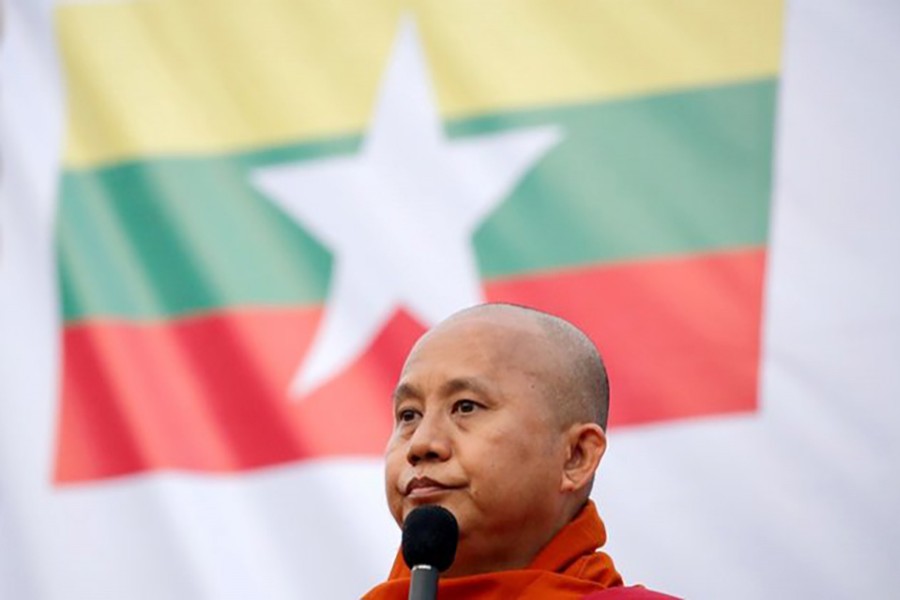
797 501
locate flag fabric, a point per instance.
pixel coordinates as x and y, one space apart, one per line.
255 224
225 224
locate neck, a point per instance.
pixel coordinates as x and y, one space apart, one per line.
477 556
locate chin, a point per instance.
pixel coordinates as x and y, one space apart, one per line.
409 506
443 499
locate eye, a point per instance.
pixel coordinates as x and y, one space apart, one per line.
407 415
465 406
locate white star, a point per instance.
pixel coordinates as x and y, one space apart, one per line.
398 217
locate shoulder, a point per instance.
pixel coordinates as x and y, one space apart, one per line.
628 593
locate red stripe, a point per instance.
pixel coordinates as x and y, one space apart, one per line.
680 336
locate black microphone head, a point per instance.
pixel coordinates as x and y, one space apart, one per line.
430 535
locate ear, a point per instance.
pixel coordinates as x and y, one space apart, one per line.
586 445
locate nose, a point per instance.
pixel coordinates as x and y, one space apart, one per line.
430 441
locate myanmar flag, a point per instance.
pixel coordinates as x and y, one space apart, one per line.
263 205
224 223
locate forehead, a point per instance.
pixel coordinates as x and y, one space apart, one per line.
493 351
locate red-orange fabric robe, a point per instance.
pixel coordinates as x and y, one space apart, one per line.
569 567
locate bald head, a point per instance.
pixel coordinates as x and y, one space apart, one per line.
575 383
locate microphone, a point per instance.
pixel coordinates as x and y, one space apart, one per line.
430 535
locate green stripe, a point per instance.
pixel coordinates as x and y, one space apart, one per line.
677 173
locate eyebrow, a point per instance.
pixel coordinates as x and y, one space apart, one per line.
456 385
463 384
405 391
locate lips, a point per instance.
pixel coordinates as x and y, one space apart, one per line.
425 486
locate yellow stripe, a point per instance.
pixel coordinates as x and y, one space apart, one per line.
183 76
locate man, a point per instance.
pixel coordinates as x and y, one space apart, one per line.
500 417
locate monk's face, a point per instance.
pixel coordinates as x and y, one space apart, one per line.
474 433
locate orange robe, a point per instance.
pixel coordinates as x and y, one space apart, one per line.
569 567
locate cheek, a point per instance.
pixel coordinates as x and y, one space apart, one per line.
513 475
393 468
493 469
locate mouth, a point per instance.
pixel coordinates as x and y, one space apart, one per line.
425 487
